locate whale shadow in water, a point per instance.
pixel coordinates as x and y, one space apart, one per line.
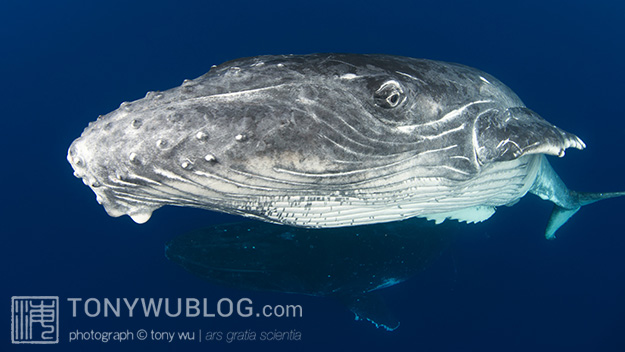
348 264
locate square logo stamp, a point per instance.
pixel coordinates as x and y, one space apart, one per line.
35 319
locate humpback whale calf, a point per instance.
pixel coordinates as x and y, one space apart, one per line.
350 265
328 140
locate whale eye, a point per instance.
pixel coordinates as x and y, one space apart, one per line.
389 95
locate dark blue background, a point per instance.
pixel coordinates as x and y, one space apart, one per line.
501 287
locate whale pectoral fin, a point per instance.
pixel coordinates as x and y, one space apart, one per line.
371 307
469 215
502 136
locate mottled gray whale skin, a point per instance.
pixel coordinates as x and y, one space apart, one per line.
327 140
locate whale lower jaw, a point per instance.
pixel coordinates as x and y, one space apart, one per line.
470 201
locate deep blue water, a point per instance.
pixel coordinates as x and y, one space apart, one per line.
500 287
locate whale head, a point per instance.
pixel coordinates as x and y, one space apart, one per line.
291 139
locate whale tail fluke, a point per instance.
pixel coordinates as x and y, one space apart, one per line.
549 186
586 198
560 215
